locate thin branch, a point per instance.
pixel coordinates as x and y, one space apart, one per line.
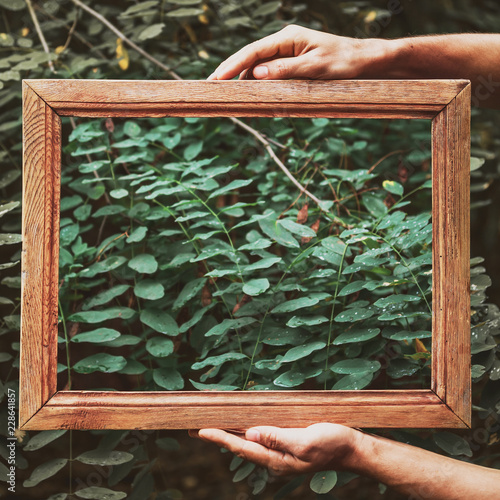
278 162
40 33
127 40
175 76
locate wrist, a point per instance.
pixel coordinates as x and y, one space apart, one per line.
356 460
381 58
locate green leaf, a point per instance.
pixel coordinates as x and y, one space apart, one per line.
149 289
168 378
213 387
476 163
353 382
229 324
118 194
256 287
10 239
290 379
44 471
143 263
195 319
98 316
151 31
105 297
160 321
185 12
243 472
360 335
96 336
262 264
355 366
98 493
105 457
374 204
137 234
160 347
193 150
323 482
42 439
277 232
293 305
297 321
409 335
103 266
354 314
232 186
452 444
132 129
219 360
298 229
101 362
393 187
302 351
266 9
7 207
353 287
396 299
188 292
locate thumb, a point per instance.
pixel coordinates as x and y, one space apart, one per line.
274 438
285 68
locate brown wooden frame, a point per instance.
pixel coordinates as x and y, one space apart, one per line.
446 404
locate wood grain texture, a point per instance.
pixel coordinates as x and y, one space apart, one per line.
451 377
111 410
255 109
33 231
446 405
52 183
253 93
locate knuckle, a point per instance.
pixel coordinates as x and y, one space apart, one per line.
281 69
272 440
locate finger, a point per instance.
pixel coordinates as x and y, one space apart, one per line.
304 66
247 450
267 48
276 438
193 433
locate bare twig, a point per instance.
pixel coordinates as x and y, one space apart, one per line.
70 33
127 40
175 76
40 33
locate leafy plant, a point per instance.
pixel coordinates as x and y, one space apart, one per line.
113 231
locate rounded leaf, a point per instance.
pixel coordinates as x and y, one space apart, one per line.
98 493
160 321
160 347
44 471
42 439
101 362
351 366
256 287
168 378
323 482
97 336
105 457
144 263
149 289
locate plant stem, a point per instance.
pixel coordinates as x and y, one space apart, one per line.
61 312
40 33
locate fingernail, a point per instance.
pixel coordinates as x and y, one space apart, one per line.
253 435
261 72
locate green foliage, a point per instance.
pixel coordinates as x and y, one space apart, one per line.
188 260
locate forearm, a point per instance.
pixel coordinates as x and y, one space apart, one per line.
421 474
471 56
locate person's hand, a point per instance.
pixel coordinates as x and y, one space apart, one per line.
291 451
297 52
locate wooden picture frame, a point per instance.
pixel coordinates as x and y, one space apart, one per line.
447 403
